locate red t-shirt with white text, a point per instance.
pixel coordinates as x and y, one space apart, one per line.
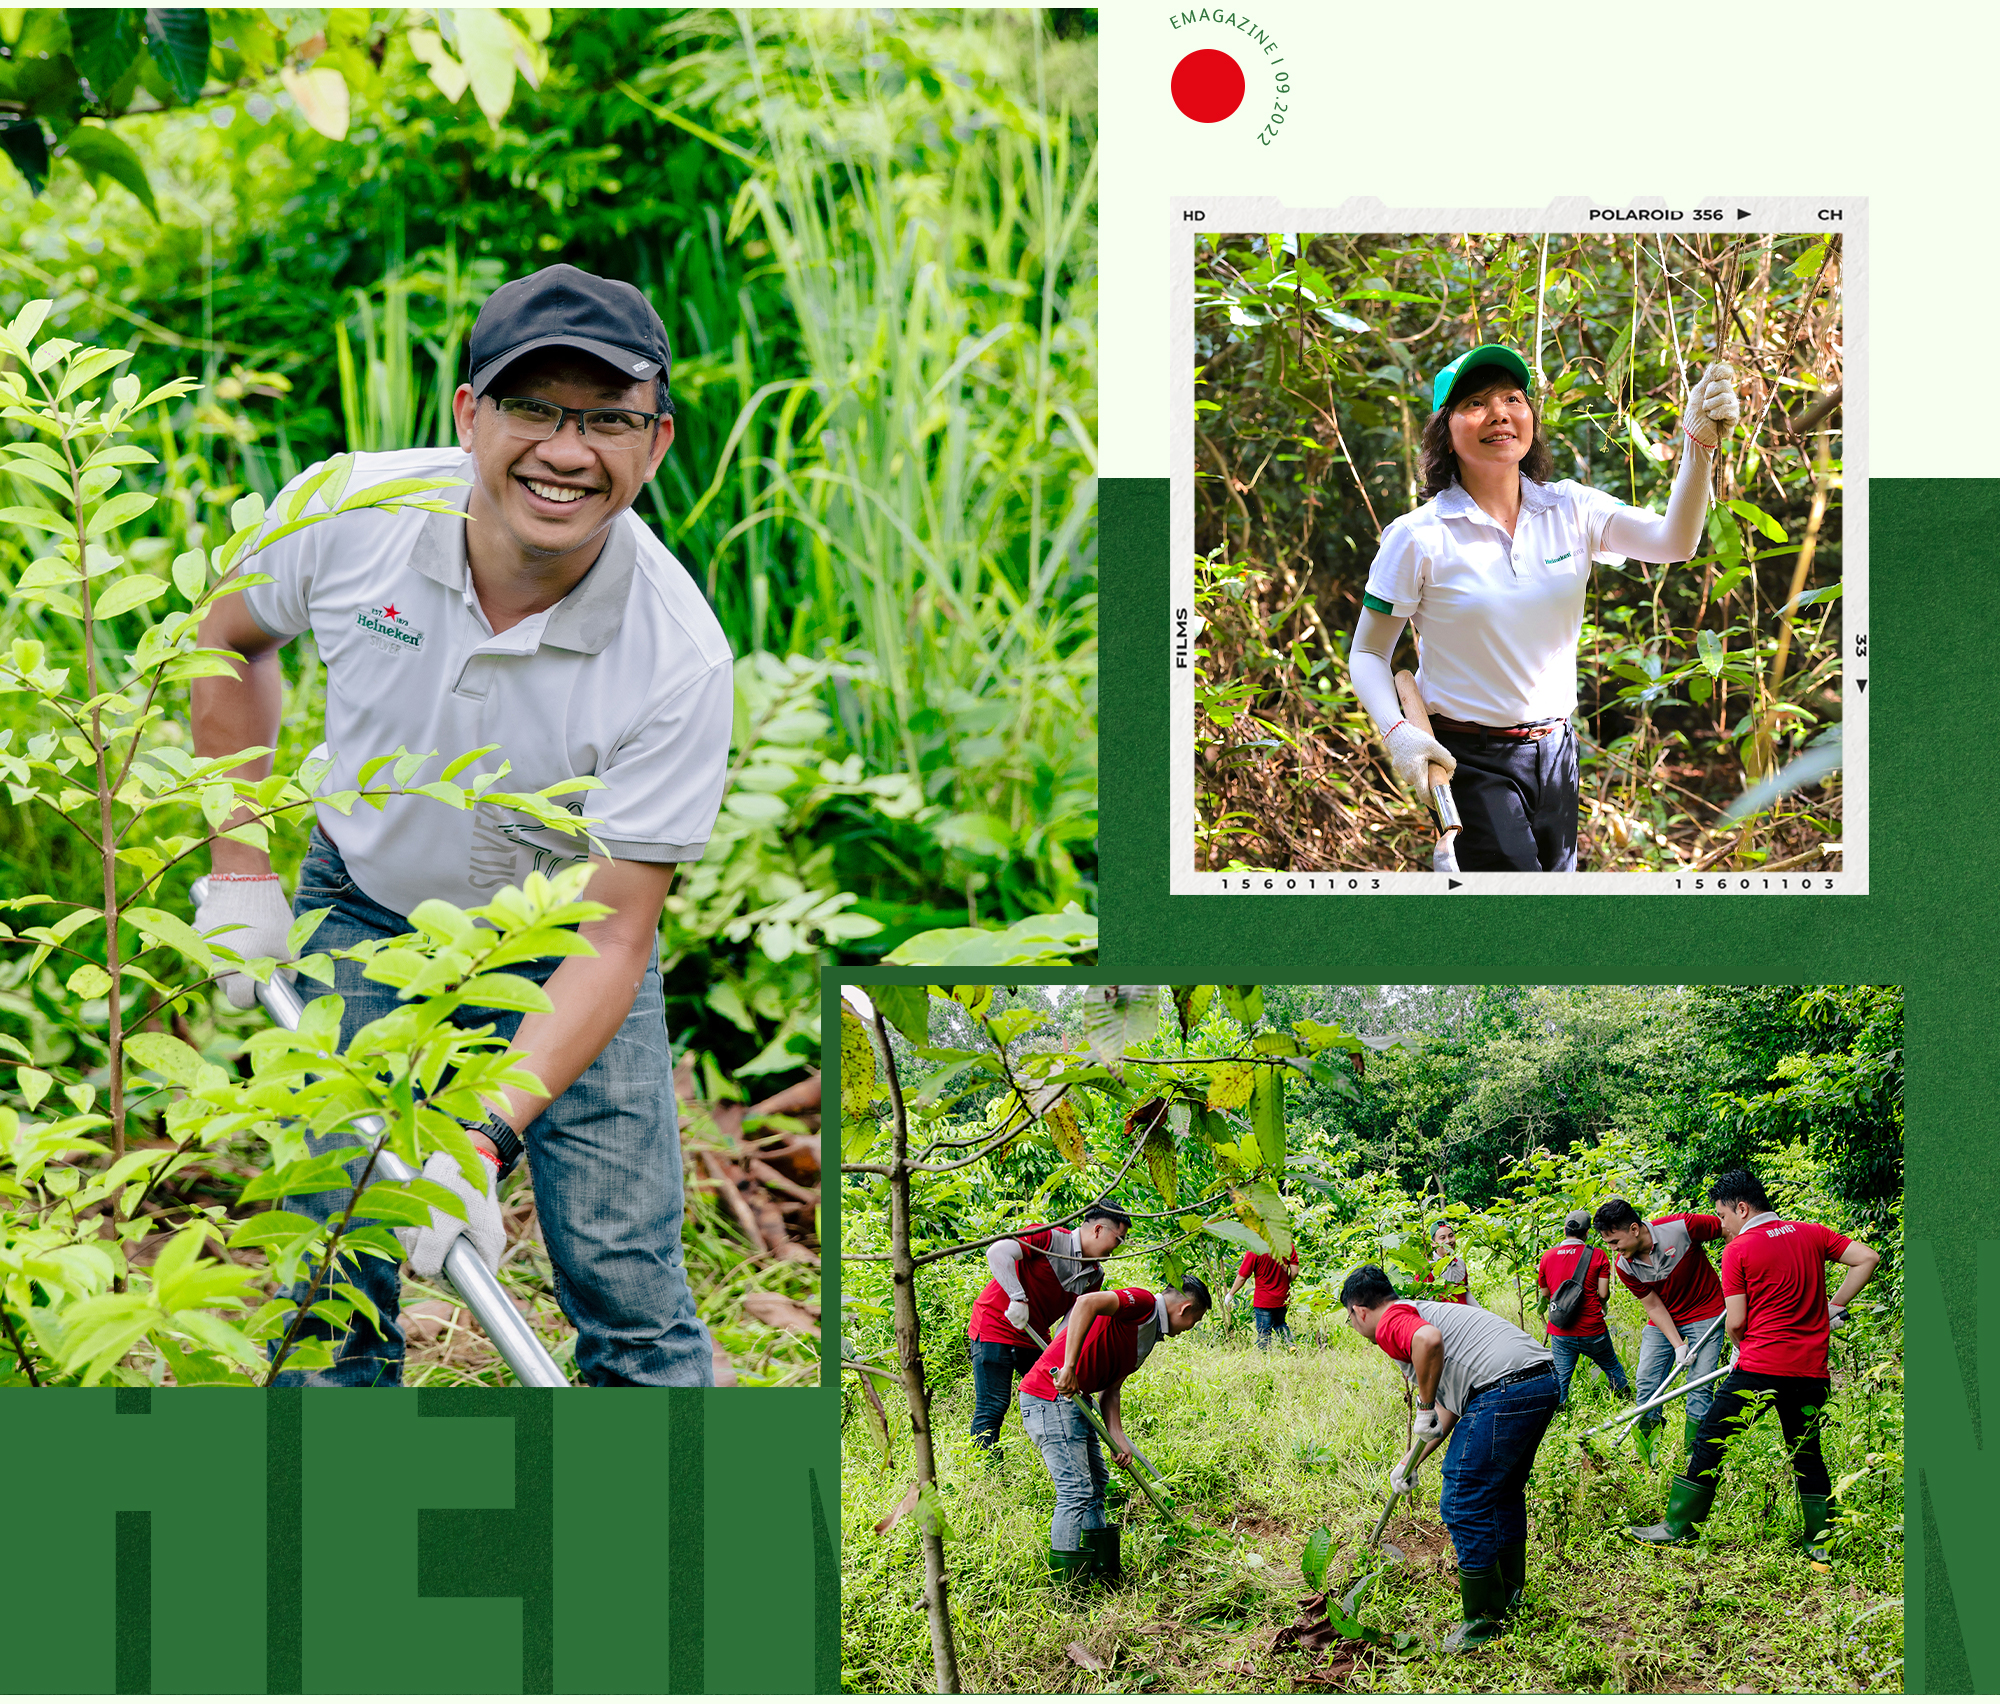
1274 1278
1778 1267
1048 1302
1110 1352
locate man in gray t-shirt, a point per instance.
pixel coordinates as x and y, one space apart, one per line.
1493 1388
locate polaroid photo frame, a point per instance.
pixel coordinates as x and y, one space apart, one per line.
1721 735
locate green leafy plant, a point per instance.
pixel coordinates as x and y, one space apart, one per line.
98 756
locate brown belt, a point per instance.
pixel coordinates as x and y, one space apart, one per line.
1524 731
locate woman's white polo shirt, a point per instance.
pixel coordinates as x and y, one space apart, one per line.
628 679
1497 619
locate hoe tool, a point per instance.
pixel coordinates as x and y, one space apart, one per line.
1411 1462
1444 857
477 1287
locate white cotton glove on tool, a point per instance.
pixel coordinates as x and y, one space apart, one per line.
1017 1314
253 914
428 1245
1428 1428
1411 753
1712 405
1399 1480
1836 1317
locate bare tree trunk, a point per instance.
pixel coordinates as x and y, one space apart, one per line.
910 1354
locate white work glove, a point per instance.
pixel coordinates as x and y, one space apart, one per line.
1428 1428
1411 753
254 919
1017 1313
1682 1356
1712 405
1836 1317
1401 1479
428 1245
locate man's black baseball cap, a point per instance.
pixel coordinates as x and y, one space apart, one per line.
563 307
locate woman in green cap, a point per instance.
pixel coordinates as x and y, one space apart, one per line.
1493 569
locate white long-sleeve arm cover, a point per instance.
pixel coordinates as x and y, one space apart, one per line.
1001 1259
1674 536
1369 664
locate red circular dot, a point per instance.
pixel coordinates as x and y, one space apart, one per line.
1208 85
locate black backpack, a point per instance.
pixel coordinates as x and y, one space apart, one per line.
1566 1306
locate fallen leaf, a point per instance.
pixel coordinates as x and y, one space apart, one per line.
1083 1657
781 1312
906 1506
1334 1672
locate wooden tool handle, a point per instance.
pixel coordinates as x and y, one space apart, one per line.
1415 713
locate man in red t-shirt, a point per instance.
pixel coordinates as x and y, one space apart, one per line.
1774 1288
1491 1386
1104 1342
1586 1334
1448 1265
1663 1264
1037 1274
1270 1294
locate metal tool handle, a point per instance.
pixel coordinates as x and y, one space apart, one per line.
477 1287
1409 1465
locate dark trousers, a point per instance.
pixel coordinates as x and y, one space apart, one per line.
1485 1501
993 1368
1569 1350
1270 1320
1517 799
1739 1398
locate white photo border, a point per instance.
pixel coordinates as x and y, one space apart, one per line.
1767 216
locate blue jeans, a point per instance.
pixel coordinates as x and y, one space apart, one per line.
1485 1501
1656 1363
1270 1320
1569 1350
993 1368
606 1161
1070 1453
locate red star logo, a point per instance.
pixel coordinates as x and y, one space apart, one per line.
390 612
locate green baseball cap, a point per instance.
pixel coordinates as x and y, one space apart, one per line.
1486 355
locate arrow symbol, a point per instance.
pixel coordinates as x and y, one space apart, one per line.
1449 884
1742 212
1861 686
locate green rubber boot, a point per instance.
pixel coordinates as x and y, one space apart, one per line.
1645 1440
1482 1594
1819 1513
1101 1545
1687 1507
1690 1433
1069 1567
1514 1571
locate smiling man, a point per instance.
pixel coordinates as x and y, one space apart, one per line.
543 620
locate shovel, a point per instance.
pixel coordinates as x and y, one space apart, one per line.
1444 859
481 1292
1411 1462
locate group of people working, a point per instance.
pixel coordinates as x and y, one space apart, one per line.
1488 1385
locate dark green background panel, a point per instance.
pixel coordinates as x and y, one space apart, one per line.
1929 924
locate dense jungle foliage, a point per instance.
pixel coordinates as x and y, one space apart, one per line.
1500 1108
1315 355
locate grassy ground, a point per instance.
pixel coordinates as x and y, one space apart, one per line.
1266 1448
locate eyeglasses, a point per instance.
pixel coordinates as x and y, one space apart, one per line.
530 417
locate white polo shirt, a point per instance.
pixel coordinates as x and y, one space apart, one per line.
1497 618
628 678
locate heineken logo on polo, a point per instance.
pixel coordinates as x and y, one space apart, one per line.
388 629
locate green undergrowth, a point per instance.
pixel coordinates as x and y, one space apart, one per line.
1265 1448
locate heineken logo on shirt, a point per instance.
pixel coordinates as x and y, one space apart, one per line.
1551 561
388 629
